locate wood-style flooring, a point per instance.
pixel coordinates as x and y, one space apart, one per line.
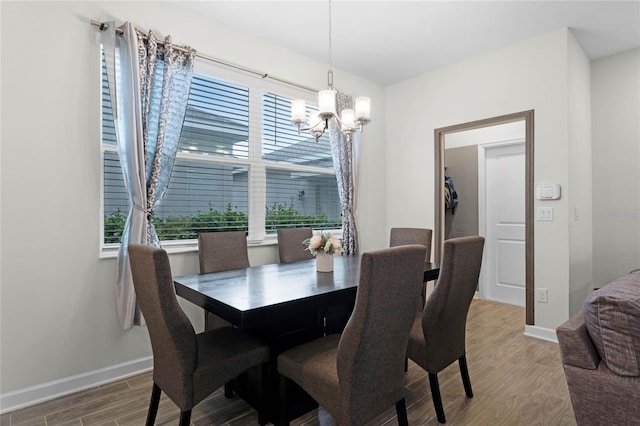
516 380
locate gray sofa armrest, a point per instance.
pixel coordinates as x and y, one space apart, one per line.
576 346
600 397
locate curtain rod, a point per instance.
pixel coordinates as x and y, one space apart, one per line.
102 26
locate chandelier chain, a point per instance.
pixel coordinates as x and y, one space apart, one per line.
330 75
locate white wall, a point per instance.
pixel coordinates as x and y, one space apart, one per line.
57 314
616 171
528 75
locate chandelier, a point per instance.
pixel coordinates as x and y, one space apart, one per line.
349 120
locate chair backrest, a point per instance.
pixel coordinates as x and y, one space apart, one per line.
444 316
405 236
222 251
290 247
372 348
173 339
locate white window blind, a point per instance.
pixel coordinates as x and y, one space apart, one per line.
302 194
241 165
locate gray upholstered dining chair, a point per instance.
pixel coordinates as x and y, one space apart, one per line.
290 247
221 251
187 366
358 375
437 337
404 236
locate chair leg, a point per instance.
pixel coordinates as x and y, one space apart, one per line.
401 412
284 416
437 399
185 418
228 390
321 323
406 363
464 372
153 405
264 393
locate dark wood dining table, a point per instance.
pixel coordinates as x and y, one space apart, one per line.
283 304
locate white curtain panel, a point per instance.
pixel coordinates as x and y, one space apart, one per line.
345 155
149 86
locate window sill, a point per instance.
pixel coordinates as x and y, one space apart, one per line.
110 251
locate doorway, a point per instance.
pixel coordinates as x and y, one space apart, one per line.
526 231
502 221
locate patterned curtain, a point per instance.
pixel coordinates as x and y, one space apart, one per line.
345 157
149 97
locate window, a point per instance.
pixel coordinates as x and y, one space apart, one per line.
241 165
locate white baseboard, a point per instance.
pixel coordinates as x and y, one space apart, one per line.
50 390
540 333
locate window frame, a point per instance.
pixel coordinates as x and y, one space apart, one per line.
257 167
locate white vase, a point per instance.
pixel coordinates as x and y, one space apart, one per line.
324 262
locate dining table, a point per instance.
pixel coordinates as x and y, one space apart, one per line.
284 305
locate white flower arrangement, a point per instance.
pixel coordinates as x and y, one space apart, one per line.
324 242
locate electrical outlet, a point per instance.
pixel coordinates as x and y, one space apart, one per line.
542 295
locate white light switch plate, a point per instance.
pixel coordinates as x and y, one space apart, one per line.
545 213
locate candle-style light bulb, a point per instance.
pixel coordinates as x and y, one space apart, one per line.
348 119
327 103
363 109
298 113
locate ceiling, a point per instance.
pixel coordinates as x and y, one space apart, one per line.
390 41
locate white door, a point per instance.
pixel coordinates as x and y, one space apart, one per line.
504 203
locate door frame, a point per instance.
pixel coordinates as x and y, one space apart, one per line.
439 139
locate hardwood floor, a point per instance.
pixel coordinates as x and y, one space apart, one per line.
516 380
